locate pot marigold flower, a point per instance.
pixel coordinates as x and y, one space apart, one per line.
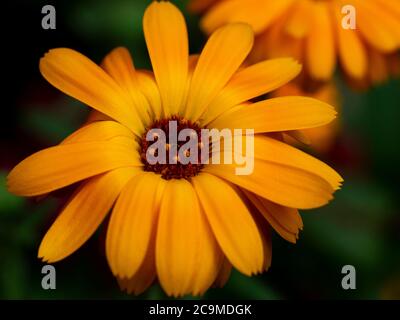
184 225
312 32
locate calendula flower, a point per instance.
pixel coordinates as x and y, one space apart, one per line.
321 138
312 32
184 225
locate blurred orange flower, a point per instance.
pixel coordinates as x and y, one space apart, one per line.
311 31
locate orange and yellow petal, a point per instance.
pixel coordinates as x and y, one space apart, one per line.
56 167
167 42
79 77
133 222
83 214
277 114
252 82
187 254
231 222
219 60
285 185
286 221
119 65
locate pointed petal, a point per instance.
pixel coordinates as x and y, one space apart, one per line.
145 275
277 114
219 60
60 166
98 131
184 242
258 14
79 77
223 274
286 221
83 214
352 53
321 40
252 82
133 222
287 186
273 150
231 222
379 28
148 86
167 41
119 65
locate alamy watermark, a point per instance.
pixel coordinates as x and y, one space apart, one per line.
349 280
188 147
49 18
49 278
348 21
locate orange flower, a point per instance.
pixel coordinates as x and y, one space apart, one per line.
311 31
181 224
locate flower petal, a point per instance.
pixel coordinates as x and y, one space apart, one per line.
133 222
145 275
277 114
265 232
56 167
272 150
187 255
83 214
320 46
223 274
259 14
79 77
148 86
119 65
298 23
167 41
287 186
352 53
219 60
252 82
231 222
379 28
286 221
98 131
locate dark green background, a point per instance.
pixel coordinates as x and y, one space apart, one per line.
361 227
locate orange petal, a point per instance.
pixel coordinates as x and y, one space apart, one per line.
223 274
258 14
379 28
288 186
98 131
277 114
252 82
148 86
351 49
219 60
167 41
133 222
286 221
60 166
119 65
187 255
79 77
231 222
145 275
320 47
83 214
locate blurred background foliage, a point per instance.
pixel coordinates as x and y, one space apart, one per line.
360 227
